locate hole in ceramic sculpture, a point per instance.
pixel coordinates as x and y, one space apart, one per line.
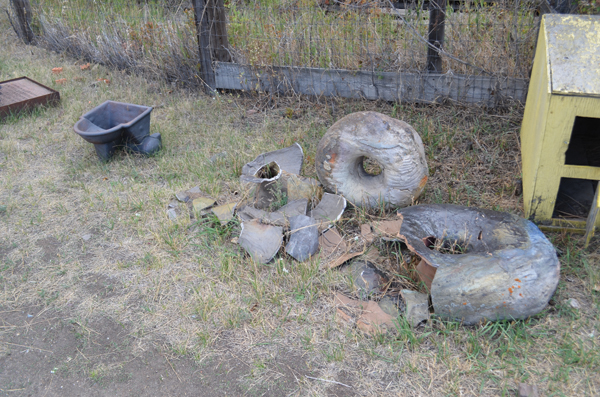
371 167
268 171
446 245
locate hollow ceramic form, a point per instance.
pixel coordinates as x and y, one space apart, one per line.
114 124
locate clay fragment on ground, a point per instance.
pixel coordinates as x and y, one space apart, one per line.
367 279
224 212
367 233
289 159
304 238
388 230
261 241
202 203
277 218
371 319
417 307
330 242
329 210
344 258
293 208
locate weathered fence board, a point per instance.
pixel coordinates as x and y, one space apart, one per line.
389 86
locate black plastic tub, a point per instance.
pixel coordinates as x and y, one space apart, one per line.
116 124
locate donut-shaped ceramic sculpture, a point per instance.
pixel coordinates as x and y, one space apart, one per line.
393 144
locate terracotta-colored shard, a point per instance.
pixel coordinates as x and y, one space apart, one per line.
57 70
224 212
426 273
261 241
85 66
388 229
344 258
367 233
342 318
331 241
371 318
60 81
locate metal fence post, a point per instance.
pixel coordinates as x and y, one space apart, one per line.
437 18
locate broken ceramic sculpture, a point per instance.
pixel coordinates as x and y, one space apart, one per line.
115 124
289 159
393 144
488 265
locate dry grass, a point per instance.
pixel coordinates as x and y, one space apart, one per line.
185 285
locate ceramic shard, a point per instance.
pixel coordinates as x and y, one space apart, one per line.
224 212
417 307
329 210
260 241
304 238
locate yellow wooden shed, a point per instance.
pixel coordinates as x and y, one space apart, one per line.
560 134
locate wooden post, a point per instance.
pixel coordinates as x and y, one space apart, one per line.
219 42
22 10
201 18
437 17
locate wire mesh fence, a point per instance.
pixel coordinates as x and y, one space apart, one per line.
358 48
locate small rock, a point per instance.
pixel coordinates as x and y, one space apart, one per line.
417 307
86 237
202 203
172 214
224 212
304 238
2 209
574 303
526 390
218 156
194 190
183 197
173 204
